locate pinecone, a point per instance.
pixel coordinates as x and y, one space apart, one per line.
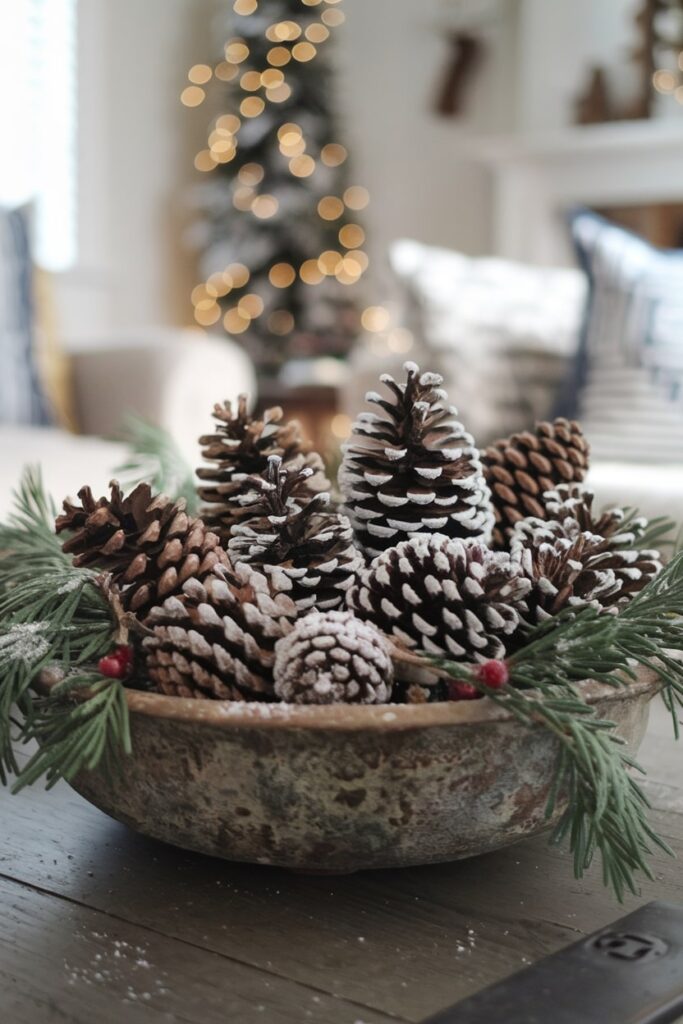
411 468
307 551
443 596
239 448
520 468
333 658
148 543
217 638
576 558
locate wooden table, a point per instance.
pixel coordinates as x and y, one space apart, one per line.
99 925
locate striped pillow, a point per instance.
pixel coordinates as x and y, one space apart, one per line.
21 397
630 365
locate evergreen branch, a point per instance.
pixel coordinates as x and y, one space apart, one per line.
155 458
29 546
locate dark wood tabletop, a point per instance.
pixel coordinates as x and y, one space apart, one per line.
100 925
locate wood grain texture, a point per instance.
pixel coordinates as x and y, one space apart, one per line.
372 947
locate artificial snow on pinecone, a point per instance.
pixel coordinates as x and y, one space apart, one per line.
240 447
332 658
575 559
444 597
217 639
306 550
411 468
148 543
520 468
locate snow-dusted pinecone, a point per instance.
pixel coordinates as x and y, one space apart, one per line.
411 468
333 658
520 468
307 551
217 639
445 597
240 447
148 543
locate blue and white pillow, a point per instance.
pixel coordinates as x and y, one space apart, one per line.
629 374
21 397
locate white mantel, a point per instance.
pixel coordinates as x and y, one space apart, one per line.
538 178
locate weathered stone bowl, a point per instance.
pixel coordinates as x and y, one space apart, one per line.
341 788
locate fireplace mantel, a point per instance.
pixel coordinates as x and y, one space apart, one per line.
536 179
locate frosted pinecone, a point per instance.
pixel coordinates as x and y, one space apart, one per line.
333 658
444 597
411 468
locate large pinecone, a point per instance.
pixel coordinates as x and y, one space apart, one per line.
217 639
307 551
148 543
444 597
575 557
411 468
332 658
520 468
239 448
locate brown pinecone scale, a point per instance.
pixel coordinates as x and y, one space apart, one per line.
306 551
411 468
217 639
240 447
520 468
445 597
148 543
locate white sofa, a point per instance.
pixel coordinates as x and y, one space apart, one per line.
171 378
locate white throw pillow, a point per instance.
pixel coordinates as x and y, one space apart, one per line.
502 333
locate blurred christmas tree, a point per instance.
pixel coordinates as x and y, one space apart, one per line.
281 246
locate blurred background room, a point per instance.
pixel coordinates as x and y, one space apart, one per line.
200 198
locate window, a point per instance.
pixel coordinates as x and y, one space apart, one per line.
38 121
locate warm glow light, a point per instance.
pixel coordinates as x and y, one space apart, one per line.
356 197
317 33
234 322
202 293
228 123
252 174
293 148
281 275
375 318
207 316
333 18
239 274
340 425
280 321
236 51
218 284
329 261
332 155
330 208
400 340
360 258
251 81
224 157
192 96
242 198
289 133
302 166
226 72
279 94
200 74
303 52
264 207
310 272
664 81
278 56
204 161
351 236
252 106
245 6
221 144
250 305
284 31
271 78
311 3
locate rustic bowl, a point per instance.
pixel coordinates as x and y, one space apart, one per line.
341 788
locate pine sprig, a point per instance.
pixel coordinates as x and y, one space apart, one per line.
155 458
28 544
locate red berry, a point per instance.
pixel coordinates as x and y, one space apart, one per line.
493 674
457 690
111 666
124 653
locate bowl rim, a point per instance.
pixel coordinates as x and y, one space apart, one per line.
223 714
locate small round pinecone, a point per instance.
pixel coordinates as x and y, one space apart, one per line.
333 658
307 551
411 468
239 448
148 543
520 468
444 597
218 638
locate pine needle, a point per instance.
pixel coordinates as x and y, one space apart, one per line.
155 458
